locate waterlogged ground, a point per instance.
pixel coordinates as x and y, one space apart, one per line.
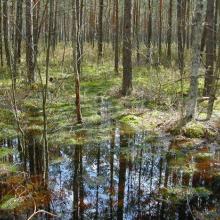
120 164
114 170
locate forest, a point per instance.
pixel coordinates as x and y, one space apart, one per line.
109 109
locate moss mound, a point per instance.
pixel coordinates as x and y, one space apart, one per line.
194 130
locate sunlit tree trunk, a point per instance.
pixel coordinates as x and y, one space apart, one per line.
6 33
197 35
160 28
214 87
116 36
149 35
1 49
169 32
30 56
127 50
209 48
78 56
100 30
18 33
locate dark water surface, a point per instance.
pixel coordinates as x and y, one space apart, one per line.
126 174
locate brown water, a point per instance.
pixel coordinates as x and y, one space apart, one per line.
127 174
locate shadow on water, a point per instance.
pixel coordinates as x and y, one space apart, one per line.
130 175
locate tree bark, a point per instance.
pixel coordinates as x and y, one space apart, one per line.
30 54
196 43
18 33
100 31
78 57
127 50
160 28
169 32
6 34
1 49
209 48
116 36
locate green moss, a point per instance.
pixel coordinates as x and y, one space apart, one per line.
199 157
7 131
10 203
201 192
194 130
130 119
6 168
5 152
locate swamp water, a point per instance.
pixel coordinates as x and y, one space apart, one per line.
116 172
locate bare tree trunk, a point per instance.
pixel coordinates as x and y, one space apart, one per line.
149 36
6 33
78 57
180 34
169 32
45 91
188 24
214 87
197 35
116 36
1 49
160 28
127 50
137 29
30 54
209 75
18 33
100 31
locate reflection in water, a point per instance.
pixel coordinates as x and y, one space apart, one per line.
122 178
127 176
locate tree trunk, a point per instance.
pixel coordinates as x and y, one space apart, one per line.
18 33
209 48
149 36
116 36
180 35
197 35
1 49
127 50
78 57
30 56
214 87
6 33
160 28
169 32
100 31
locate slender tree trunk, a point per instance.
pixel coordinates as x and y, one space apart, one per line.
45 91
169 32
100 31
209 48
18 33
149 36
214 87
116 36
160 28
137 29
217 3
30 55
197 35
6 33
78 57
188 24
180 34
1 49
127 50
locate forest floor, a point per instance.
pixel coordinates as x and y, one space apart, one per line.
152 109
153 104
